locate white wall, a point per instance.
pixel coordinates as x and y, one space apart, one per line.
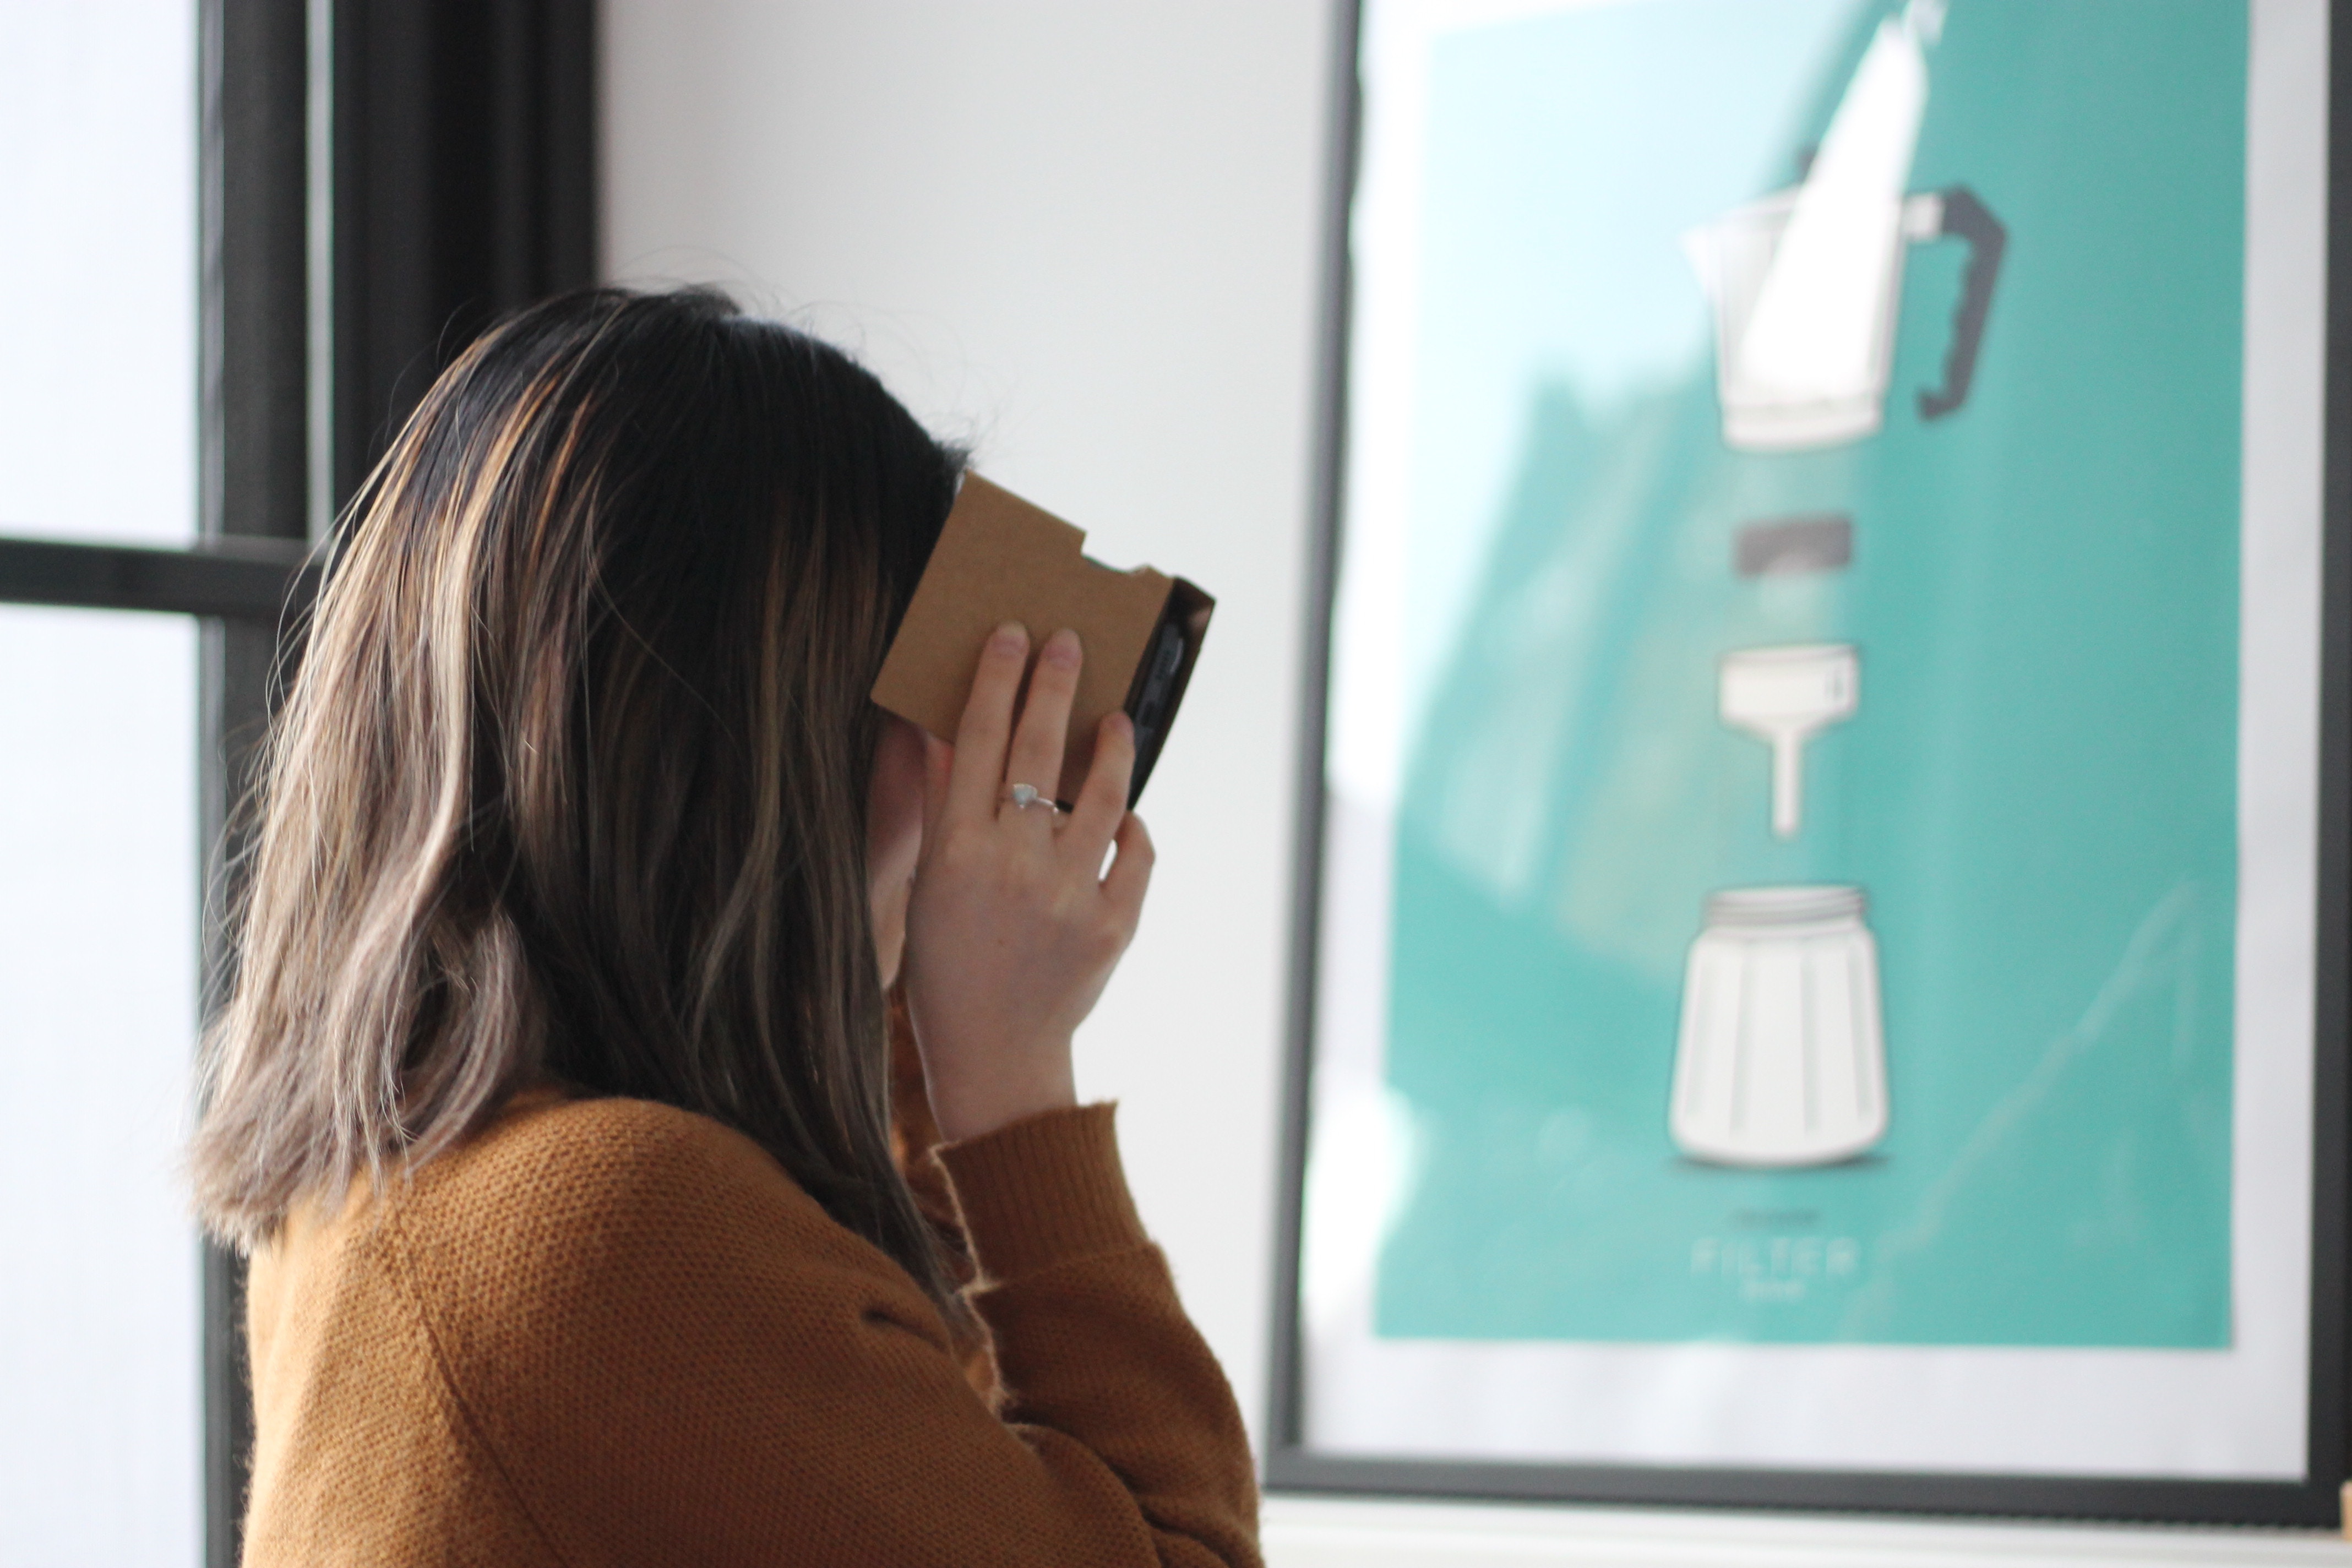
1082 235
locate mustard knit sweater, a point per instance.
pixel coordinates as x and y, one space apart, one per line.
607 1331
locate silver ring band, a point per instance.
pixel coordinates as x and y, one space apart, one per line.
1023 796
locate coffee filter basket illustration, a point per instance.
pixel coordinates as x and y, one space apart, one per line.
1780 1057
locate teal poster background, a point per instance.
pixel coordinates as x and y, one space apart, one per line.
2036 792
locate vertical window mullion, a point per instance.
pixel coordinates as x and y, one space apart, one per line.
255 447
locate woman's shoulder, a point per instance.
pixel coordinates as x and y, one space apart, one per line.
544 1143
570 1234
552 1159
565 1196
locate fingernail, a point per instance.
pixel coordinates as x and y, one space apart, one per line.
1061 648
1010 638
1119 724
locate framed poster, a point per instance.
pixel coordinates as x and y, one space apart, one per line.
1820 956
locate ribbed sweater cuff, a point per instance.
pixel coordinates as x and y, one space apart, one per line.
1044 1190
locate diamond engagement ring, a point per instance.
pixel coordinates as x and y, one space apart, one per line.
1025 797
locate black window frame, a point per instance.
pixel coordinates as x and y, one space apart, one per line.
457 181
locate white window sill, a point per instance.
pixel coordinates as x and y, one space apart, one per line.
1302 1532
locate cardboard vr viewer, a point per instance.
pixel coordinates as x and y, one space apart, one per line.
1000 559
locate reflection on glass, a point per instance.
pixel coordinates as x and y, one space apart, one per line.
99 1455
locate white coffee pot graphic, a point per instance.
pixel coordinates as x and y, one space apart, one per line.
1807 283
1781 1060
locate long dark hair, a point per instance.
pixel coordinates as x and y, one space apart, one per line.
572 782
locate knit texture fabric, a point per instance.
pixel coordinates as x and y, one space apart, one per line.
609 1332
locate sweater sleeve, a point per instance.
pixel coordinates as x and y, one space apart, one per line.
669 1353
1091 1344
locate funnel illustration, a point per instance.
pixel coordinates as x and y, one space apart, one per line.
1784 696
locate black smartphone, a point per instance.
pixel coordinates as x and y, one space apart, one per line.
1158 684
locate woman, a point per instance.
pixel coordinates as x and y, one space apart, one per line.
553 1095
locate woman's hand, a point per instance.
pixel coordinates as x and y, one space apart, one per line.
1013 927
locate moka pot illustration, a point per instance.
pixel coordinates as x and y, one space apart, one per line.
1782 1058
1807 282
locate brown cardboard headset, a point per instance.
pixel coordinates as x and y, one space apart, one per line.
1000 559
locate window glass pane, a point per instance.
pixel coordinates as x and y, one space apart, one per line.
100 1456
98 271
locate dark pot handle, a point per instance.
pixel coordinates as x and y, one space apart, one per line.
1964 218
